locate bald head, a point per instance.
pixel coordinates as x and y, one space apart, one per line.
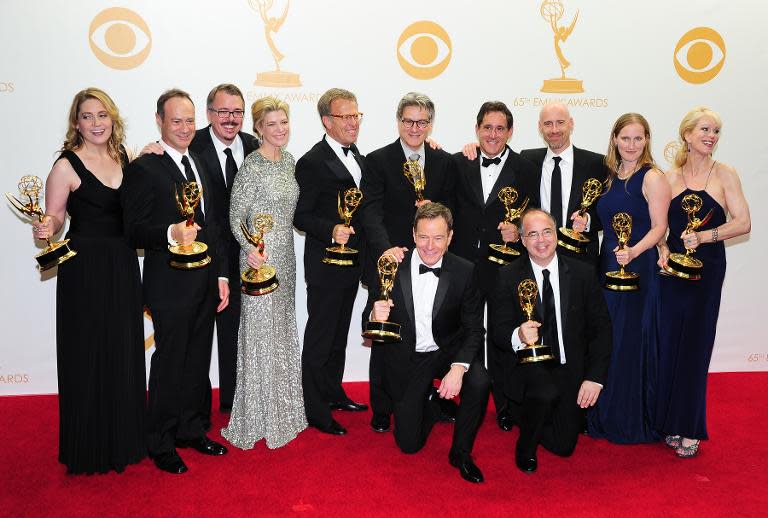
556 126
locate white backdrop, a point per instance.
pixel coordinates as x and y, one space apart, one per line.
461 54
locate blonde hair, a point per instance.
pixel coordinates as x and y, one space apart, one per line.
74 140
687 125
261 107
613 158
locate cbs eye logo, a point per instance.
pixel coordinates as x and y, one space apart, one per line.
424 50
120 38
699 55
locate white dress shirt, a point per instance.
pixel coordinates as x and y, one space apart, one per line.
489 175
348 160
176 157
554 280
408 152
238 152
566 179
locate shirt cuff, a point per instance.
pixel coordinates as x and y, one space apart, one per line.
589 221
465 365
517 344
224 279
171 241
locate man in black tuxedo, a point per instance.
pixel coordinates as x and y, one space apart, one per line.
572 318
480 215
222 147
389 205
440 311
182 302
572 166
332 165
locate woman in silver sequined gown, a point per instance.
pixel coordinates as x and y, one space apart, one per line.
269 403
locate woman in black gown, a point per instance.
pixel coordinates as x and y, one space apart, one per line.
689 309
99 329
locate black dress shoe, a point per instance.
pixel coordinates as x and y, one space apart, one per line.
348 405
202 444
506 423
468 469
380 423
526 463
334 428
170 462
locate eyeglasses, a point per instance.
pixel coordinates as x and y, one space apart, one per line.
488 128
224 114
408 123
350 117
547 233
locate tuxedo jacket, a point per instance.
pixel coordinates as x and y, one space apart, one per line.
457 319
586 164
321 176
149 207
586 324
475 219
389 197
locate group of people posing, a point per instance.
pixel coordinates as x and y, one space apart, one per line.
627 366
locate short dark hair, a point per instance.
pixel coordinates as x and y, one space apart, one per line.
431 211
227 88
494 106
170 94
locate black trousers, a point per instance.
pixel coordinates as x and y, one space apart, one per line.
415 414
329 308
548 414
178 402
227 327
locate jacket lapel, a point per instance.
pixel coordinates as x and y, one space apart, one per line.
565 292
506 177
442 287
335 165
406 287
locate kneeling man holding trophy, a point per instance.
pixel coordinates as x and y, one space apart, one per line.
435 301
549 309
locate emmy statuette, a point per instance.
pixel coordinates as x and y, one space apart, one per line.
569 238
622 280
527 291
502 254
415 174
384 332
57 251
195 254
342 255
684 265
262 280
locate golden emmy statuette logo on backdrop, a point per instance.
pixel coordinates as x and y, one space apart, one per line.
120 38
670 150
384 332
552 11
195 254
622 280
275 78
415 174
262 280
424 50
684 265
527 291
56 252
502 254
569 238
342 255
699 55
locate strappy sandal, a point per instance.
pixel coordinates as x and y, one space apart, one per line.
687 452
673 441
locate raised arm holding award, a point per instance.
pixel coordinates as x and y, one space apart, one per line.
569 238
502 254
195 254
341 255
527 291
384 331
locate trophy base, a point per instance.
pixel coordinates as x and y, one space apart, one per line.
382 332
563 85
189 257
572 240
277 78
535 354
622 281
54 255
341 256
259 282
683 266
502 254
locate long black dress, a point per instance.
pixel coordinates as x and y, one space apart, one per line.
99 335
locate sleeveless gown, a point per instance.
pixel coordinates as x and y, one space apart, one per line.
688 321
269 401
99 335
624 410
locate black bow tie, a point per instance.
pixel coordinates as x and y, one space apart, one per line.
345 149
489 161
423 268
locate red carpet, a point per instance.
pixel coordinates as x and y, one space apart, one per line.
363 474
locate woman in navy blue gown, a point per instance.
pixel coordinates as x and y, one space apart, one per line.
689 309
624 412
